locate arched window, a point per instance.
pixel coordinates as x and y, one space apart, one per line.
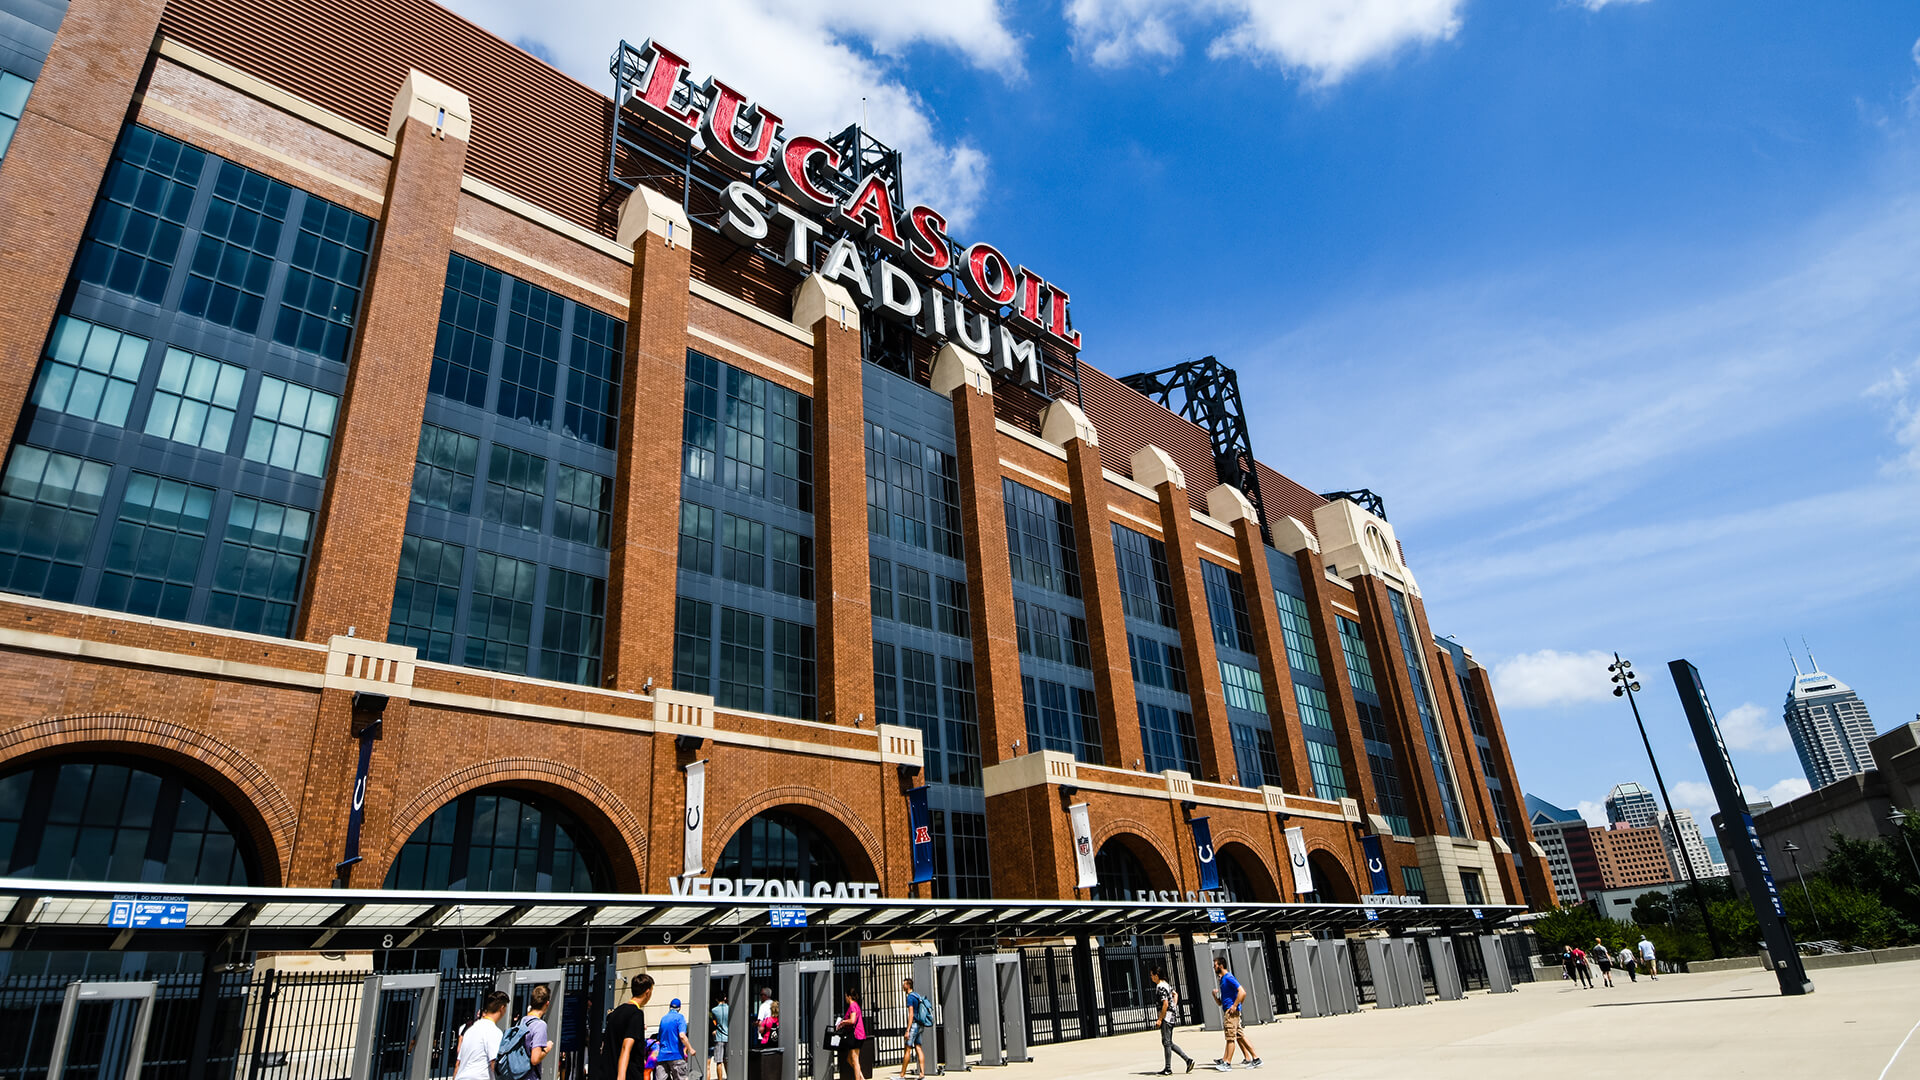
1235 879
497 841
782 846
107 820
1122 875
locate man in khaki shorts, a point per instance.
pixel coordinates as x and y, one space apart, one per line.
1232 996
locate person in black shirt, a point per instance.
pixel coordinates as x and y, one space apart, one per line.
623 1042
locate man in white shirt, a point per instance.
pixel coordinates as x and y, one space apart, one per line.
480 1043
1646 954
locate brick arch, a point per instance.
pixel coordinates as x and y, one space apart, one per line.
619 834
1138 837
1326 859
256 805
824 812
1235 845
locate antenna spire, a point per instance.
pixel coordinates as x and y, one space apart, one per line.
1794 660
1810 659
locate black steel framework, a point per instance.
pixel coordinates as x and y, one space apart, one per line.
1362 497
1207 393
639 151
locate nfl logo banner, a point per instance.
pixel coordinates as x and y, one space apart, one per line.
1376 864
1083 846
919 821
1203 848
1297 855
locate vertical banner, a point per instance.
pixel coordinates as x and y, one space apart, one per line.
696 818
1376 864
1297 855
357 810
1203 850
920 821
1083 846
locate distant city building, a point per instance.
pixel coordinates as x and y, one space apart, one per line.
1631 804
1630 857
1566 838
1829 725
1681 831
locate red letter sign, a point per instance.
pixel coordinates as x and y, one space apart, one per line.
929 247
985 264
800 150
722 130
871 208
664 72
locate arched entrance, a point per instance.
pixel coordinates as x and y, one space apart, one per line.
1331 885
499 839
1244 876
113 818
780 845
1126 867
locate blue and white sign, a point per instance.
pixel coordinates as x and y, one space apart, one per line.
784 917
1215 914
1477 914
1372 915
1376 865
148 912
1204 853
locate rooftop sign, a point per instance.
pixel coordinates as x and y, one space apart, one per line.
1005 305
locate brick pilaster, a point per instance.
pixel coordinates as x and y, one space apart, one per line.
642 570
1476 801
1283 712
54 167
1106 615
843 606
1539 876
1209 701
983 515
363 518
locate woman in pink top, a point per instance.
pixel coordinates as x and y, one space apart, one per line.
853 1032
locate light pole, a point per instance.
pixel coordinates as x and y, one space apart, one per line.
1791 849
1625 684
1899 820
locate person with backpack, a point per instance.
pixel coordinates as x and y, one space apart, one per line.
623 1042
480 1042
526 1043
1169 1016
919 1022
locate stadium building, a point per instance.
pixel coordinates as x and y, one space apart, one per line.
430 472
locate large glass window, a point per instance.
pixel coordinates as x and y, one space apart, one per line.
1157 664
1323 747
962 742
497 840
195 400
426 596
500 620
530 367
1146 589
1296 630
693 646
238 239
696 538
90 372
743 661
1429 724
1253 755
790 687
777 845
1242 688
113 821
444 468
748 435
1040 541
966 875
262 561
463 347
516 488
743 550
48 505
154 553
572 629
1227 605
292 426
583 507
1353 646
13 104
1169 739
593 377
138 224
1062 718
792 563
323 285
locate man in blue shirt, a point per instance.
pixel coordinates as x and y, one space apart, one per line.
1232 996
675 1050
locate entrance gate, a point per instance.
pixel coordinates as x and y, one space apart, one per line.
814 979
395 1012
1003 1007
123 1038
517 983
733 977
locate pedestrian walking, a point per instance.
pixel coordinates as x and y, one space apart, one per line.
722 1014
480 1042
853 1033
675 1056
1232 996
1604 957
1625 960
1582 968
1646 954
919 1020
623 1042
1566 965
766 1016
1169 1015
526 1044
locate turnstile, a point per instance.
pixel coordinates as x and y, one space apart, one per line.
1210 1007
515 983
407 1043
1336 959
120 1058
700 1005
1000 978
1447 985
950 1009
809 1016
1397 981
1499 977
1323 977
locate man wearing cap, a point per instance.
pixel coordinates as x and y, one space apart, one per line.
675 1050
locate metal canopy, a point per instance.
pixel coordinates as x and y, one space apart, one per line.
74 915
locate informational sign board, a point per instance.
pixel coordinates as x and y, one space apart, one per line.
784 917
148 913
1215 914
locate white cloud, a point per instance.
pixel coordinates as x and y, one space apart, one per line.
1782 790
1750 727
1596 5
1323 40
1551 677
1594 813
1697 796
812 64
1901 391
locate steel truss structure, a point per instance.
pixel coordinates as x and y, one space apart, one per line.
68 915
1207 392
1362 497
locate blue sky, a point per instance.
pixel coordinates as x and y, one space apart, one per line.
1614 303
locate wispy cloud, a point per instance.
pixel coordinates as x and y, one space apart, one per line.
1900 390
1549 677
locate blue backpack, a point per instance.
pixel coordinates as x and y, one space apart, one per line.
923 1012
516 1057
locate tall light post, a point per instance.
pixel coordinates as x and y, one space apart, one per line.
1899 821
1626 684
1791 849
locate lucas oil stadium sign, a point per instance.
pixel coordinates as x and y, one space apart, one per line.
912 271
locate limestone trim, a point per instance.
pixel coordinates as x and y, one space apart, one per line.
1130 484
177 663
198 123
1230 560
1014 467
740 307
226 74
548 269
544 218
805 378
1048 767
1152 526
447 112
1021 435
365 665
647 211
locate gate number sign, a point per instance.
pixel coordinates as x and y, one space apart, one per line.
148 913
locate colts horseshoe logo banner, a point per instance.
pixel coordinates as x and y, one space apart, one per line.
1203 848
696 822
1083 846
1297 855
357 812
919 820
1376 864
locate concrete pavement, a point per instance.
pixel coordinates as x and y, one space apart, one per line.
1727 1024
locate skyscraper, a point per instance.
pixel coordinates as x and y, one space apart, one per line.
1680 830
1631 804
1829 725
1564 836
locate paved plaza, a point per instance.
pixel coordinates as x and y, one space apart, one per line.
1684 1026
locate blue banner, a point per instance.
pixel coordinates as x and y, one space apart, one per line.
920 822
1203 848
357 809
1376 864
